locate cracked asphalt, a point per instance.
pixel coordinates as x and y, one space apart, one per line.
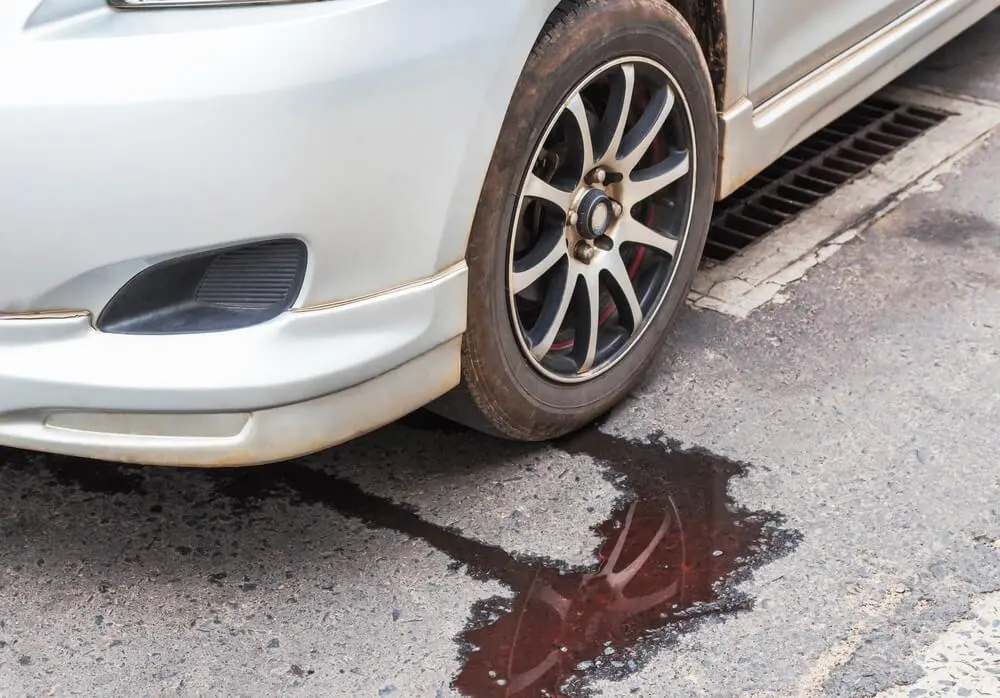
860 415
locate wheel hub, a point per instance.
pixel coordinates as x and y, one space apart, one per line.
595 215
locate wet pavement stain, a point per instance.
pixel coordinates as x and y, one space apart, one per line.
93 477
673 550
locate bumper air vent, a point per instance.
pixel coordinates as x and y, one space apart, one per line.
210 292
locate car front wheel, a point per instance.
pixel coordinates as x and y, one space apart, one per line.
592 219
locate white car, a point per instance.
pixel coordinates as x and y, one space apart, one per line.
237 231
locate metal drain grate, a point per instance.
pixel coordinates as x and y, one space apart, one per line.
814 169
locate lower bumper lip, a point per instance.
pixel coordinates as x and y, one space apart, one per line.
238 439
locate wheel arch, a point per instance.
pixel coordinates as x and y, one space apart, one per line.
708 20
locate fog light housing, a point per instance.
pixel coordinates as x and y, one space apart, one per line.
214 291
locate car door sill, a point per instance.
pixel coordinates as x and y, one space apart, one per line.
753 136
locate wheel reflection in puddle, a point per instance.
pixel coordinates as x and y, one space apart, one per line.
672 551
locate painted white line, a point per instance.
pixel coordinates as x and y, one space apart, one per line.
758 275
965 660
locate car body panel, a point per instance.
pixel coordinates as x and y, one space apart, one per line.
755 134
363 128
738 16
401 123
792 38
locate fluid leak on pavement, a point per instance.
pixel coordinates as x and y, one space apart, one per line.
673 550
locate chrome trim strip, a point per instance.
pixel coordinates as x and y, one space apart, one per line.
454 270
44 315
190 4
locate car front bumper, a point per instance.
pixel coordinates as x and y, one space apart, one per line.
292 386
362 127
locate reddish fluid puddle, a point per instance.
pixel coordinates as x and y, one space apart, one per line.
671 553
653 570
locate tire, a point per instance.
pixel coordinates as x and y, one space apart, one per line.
506 389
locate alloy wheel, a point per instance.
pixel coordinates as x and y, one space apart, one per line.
602 217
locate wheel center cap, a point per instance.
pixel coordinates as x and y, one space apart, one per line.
595 214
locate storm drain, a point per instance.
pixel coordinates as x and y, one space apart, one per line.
847 148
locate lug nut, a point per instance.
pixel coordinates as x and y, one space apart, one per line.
583 252
572 218
598 176
617 208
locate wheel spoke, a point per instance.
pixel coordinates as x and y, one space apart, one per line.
638 140
588 322
656 178
550 320
612 128
549 251
631 230
622 290
537 188
579 112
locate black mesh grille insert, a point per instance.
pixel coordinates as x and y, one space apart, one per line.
814 169
252 278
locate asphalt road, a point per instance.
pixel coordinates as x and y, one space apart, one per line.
832 459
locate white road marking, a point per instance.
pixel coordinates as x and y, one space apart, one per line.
965 660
